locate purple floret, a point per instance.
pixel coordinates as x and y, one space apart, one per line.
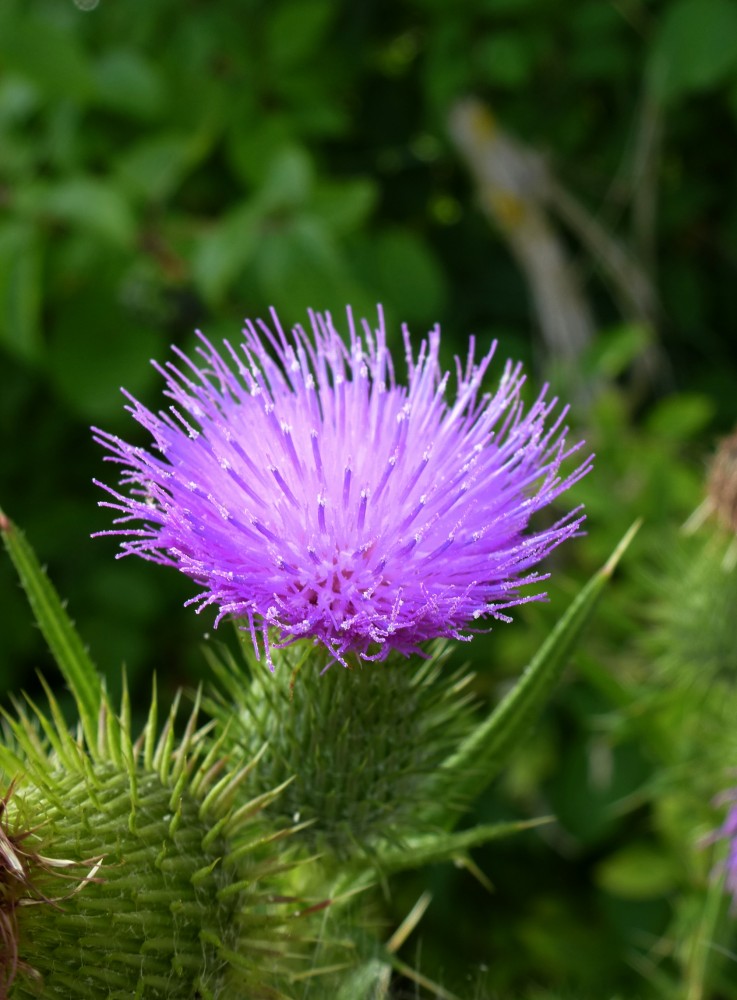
310 494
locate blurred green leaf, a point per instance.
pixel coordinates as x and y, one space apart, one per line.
95 205
510 6
154 168
21 289
299 265
601 48
506 59
695 47
289 181
681 417
640 870
449 71
225 249
296 29
130 84
254 143
613 351
408 276
345 205
92 353
19 98
52 58
605 62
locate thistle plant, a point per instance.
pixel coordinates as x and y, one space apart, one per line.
340 519
315 497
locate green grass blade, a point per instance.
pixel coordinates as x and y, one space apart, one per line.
62 638
433 989
705 949
479 758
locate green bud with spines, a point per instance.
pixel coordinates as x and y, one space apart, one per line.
695 633
141 868
364 743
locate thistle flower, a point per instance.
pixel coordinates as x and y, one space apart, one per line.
310 494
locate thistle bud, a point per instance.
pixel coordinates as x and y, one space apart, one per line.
128 870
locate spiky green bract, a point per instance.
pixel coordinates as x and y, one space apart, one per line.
362 743
691 682
149 864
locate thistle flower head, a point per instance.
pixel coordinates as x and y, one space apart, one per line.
309 492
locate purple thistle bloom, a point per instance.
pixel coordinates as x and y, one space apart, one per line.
728 831
309 492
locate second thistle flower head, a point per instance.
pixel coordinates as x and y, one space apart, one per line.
308 491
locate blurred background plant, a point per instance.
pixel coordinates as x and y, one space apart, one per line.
166 165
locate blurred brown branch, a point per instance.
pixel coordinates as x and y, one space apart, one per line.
519 192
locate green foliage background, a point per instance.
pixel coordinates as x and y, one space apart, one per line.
167 165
